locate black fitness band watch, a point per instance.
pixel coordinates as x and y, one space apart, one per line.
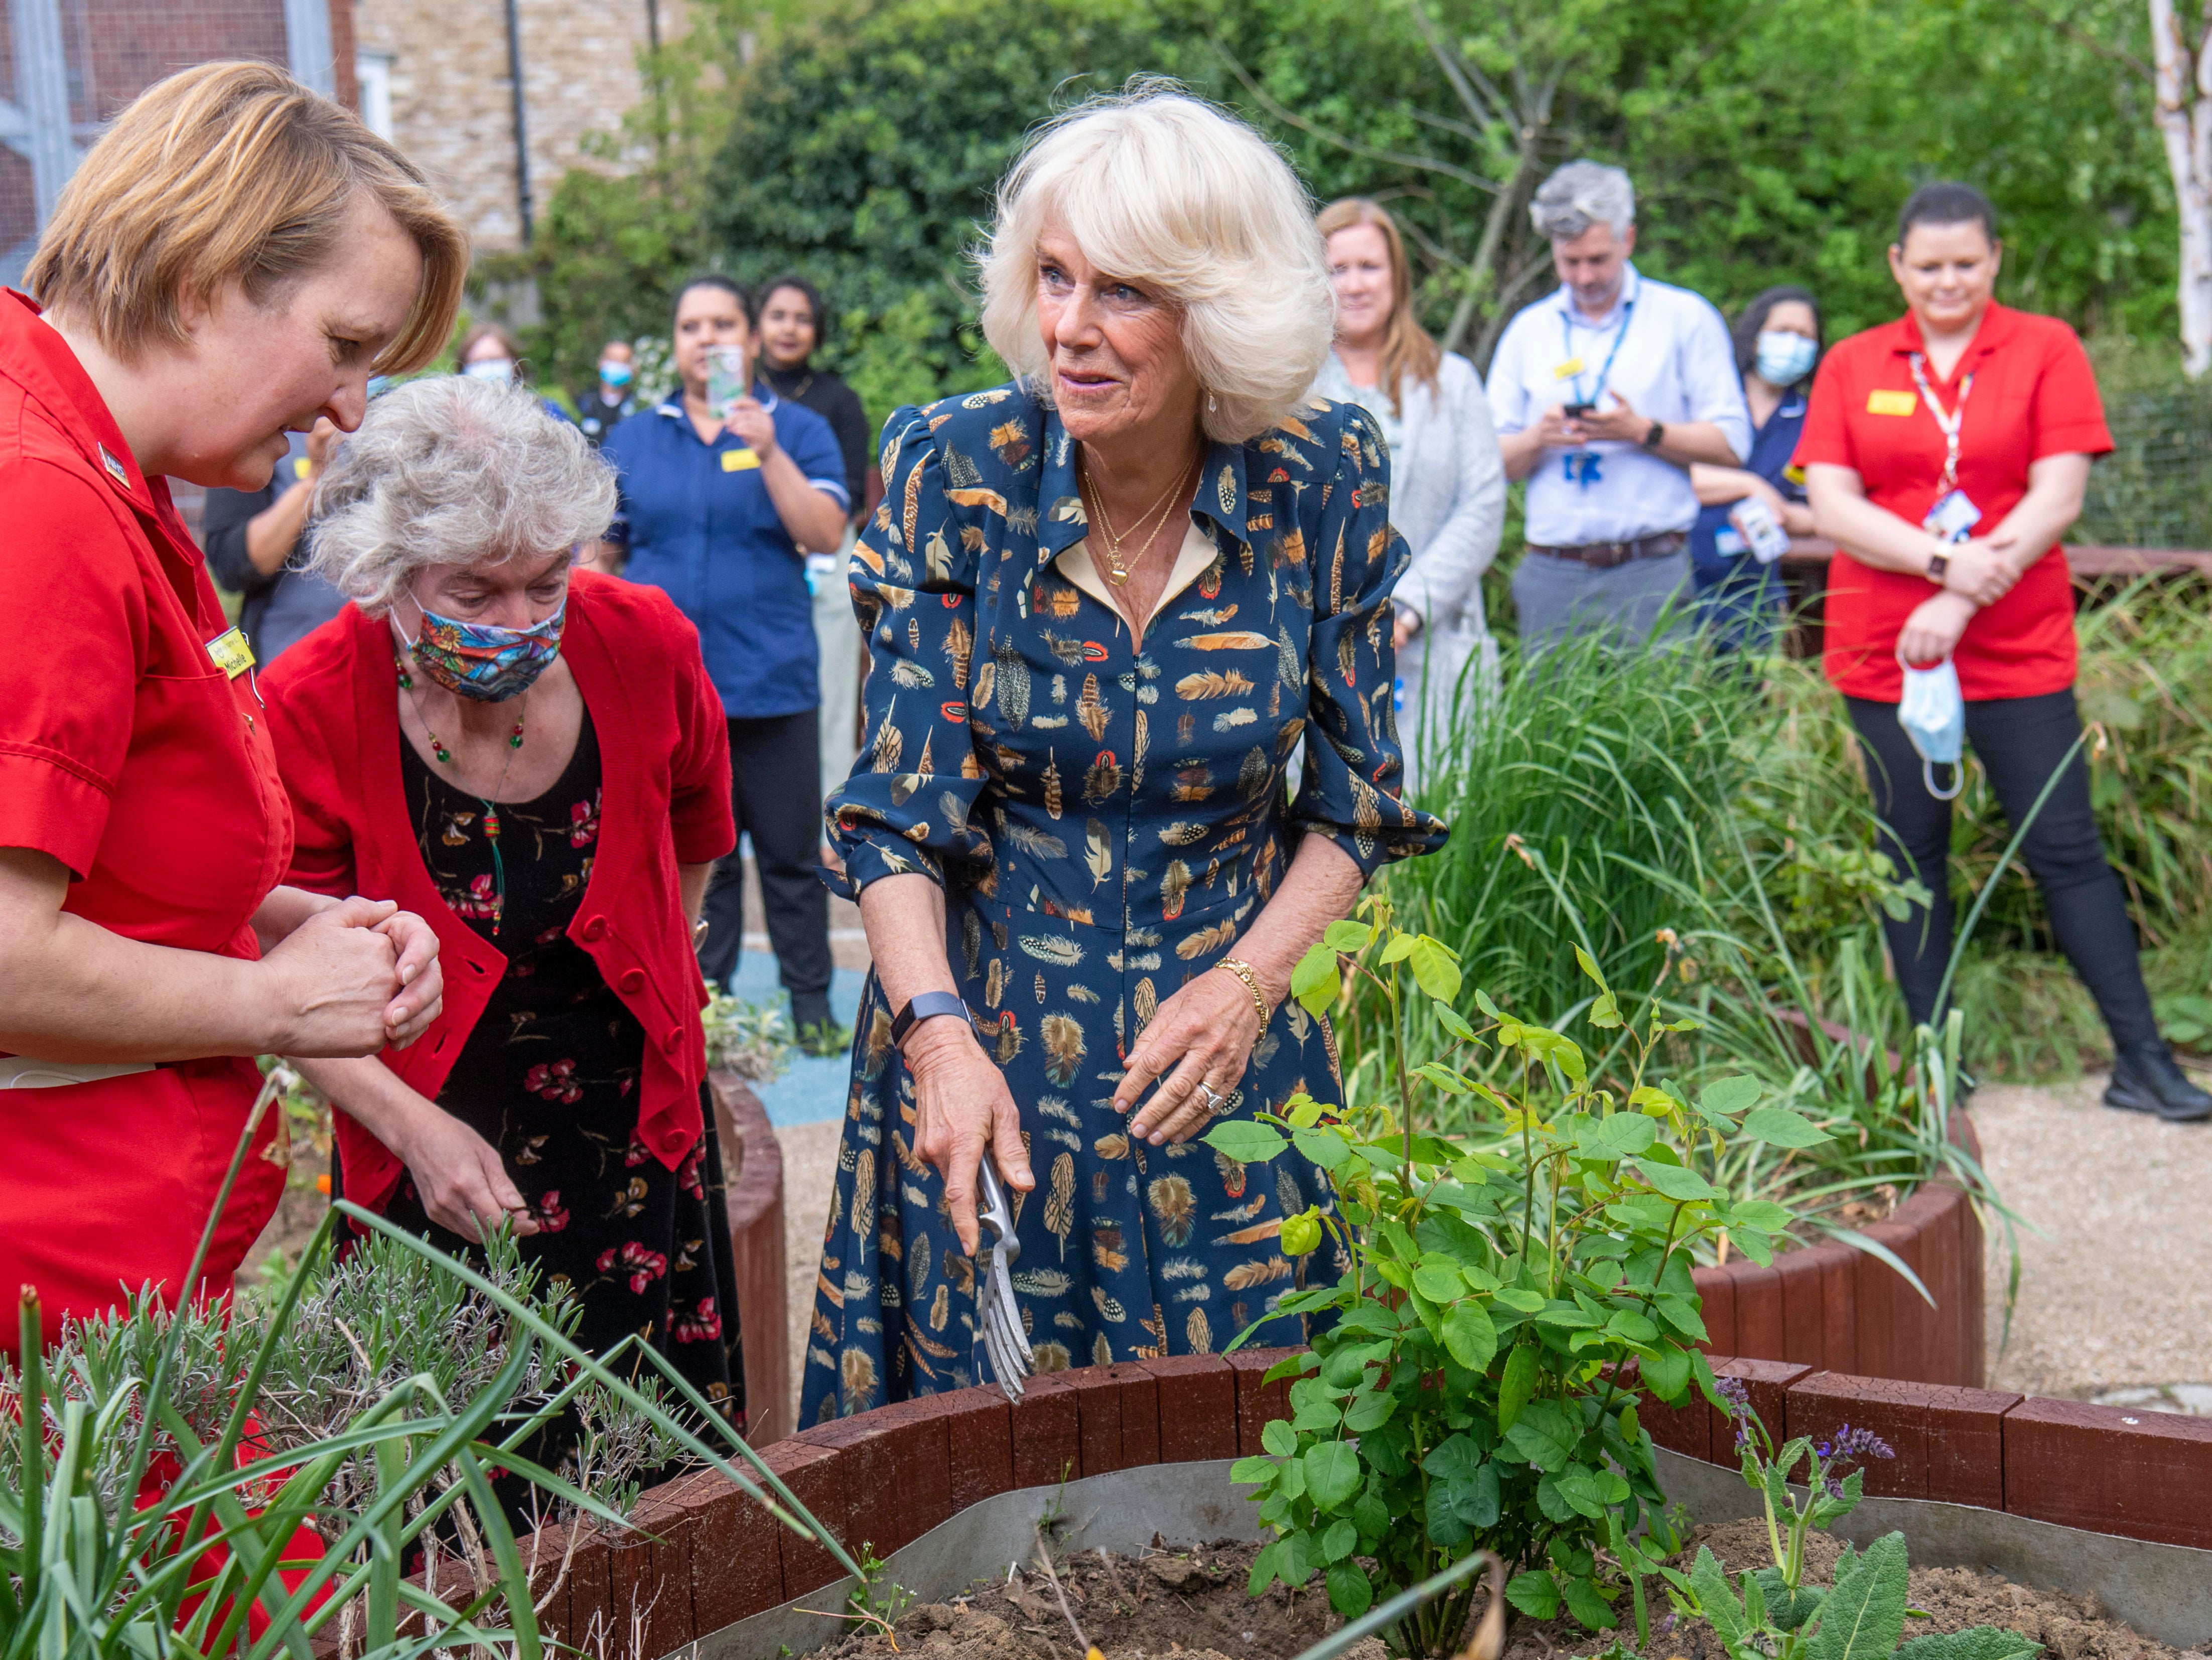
925 1006
1651 438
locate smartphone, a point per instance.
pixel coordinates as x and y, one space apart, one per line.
1576 411
727 380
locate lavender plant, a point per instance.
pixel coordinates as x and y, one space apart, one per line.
1771 1614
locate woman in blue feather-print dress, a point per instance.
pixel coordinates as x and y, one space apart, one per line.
1072 805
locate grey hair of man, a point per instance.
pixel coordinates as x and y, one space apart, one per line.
1581 194
449 471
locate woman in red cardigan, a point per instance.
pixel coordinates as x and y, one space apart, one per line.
535 761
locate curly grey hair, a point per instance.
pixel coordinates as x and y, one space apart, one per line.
1581 194
447 472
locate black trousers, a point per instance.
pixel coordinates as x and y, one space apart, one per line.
2020 742
776 793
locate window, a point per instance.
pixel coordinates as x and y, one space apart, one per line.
373 71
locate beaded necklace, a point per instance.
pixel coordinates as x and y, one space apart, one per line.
491 826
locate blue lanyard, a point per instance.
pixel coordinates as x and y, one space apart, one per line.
1567 334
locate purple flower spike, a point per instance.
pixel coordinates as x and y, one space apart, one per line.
1733 1391
1850 1445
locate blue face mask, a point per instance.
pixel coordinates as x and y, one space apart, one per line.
1934 716
1783 359
491 368
615 374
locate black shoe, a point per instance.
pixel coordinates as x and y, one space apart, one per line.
2147 1078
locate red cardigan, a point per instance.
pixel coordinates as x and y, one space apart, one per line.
665 752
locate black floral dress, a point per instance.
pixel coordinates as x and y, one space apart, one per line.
549 1077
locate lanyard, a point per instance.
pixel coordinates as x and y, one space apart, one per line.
1950 424
1567 334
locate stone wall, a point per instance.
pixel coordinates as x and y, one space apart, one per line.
451 102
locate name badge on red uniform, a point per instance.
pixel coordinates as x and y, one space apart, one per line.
230 651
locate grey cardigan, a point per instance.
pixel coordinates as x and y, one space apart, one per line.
1447 501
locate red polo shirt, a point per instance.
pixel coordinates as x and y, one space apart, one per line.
2033 395
130 757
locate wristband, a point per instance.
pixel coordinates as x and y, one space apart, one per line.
924 1005
1652 438
1937 564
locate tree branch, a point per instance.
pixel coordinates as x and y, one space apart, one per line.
2081 37
1473 87
1353 146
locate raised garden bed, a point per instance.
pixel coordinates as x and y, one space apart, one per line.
2060 1495
752 1168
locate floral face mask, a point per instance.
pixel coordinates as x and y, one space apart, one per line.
483 661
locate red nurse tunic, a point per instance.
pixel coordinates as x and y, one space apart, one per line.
130 756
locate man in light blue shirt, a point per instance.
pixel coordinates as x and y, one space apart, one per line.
1605 393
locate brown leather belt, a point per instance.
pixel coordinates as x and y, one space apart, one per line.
1604 556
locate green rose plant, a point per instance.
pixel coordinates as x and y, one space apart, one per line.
1504 1302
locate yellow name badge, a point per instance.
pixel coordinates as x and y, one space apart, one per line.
231 653
1568 370
299 466
740 460
1881 401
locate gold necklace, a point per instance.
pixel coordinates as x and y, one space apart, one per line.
1156 516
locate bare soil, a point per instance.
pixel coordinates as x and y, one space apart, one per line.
1192 1603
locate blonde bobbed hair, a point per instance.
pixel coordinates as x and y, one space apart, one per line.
233 173
1168 192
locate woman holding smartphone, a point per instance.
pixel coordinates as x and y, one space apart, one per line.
1747 514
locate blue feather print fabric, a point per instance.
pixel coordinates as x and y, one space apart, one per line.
1106 817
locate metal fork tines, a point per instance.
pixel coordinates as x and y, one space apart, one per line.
996 1313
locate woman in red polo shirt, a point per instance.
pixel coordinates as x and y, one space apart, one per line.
232 260
1945 454
539 763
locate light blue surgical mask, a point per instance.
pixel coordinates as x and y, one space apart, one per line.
615 372
1934 716
1783 359
491 368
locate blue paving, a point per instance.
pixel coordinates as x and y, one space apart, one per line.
812 1089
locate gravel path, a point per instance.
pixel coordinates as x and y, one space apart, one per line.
810 1166
2113 1293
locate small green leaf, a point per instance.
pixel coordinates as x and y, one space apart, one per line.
1542 1434
1443 1078
1633 1327
1369 1413
1588 966
1976 1643
1721 1610
1515 1385
1316 980
1399 948
1338 1542
1349 1592
1323 1146
1727 1097
1587 1605
1278 1438
1521 1298
1475 1499
1433 969
1245 1142
1348 937
1438 1279
1535 1593
1779 1127
1676 1182
1864 1615
1263 1569
1253 1472
1448 1019
1667 1373
1470 1338
1332 1473
1761 1213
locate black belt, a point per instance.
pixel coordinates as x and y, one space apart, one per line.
1604 556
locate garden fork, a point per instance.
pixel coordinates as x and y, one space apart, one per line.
996 1312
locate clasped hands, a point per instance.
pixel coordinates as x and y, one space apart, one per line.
355 976
1204 1034
1978 572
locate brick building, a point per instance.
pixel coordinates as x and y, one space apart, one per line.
437 78
67 66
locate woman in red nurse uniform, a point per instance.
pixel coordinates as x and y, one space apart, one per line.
231 261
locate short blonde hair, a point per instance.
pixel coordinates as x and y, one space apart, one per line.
1165 190
233 173
450 470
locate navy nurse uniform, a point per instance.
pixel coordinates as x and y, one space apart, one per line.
1740 600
